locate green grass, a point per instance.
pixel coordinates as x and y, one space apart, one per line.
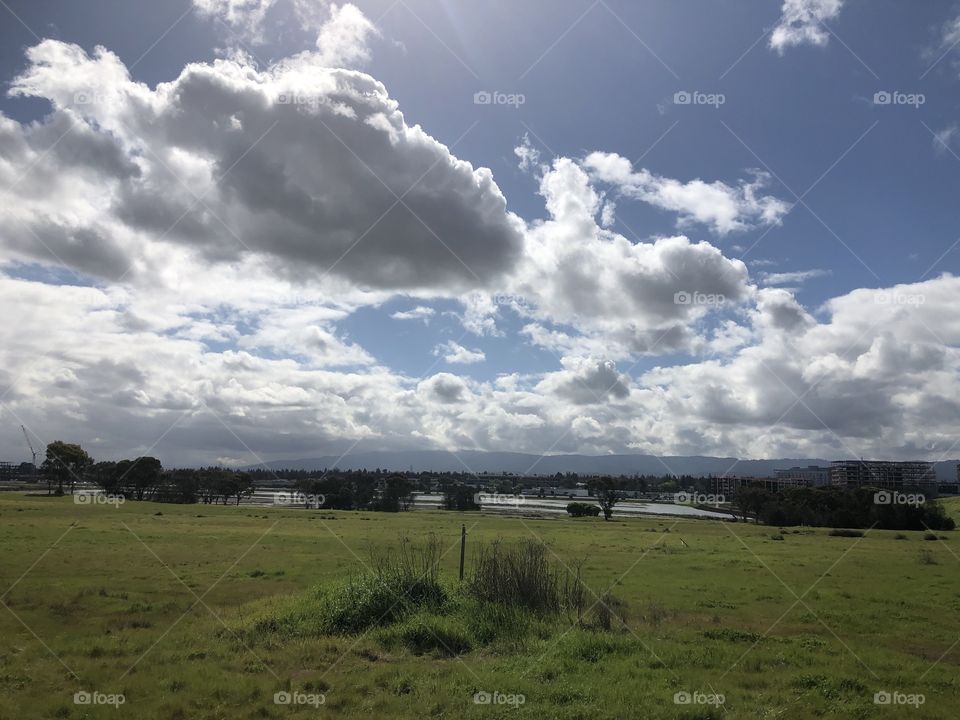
711 609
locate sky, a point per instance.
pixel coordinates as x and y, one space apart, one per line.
237 231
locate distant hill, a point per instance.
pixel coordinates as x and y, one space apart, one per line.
520 463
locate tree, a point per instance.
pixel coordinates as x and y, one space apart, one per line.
396 495
140 476
460 497
607 493
751 500
105 475
243 485
65 461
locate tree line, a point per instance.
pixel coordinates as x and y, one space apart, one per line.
142 478
843 508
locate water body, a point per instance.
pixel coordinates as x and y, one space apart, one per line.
511 505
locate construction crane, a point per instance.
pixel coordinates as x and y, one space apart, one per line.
32 451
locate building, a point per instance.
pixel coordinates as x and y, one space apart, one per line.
730 485
9 472
809 476
882 473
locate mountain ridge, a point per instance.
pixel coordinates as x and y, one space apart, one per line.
479 461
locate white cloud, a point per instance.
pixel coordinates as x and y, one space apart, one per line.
802 23
421 312
298 166
621 294
527 154
944 139
794 277
245 16
343 39
587 381
721 207
455 354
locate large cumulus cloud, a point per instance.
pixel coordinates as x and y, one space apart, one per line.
312 167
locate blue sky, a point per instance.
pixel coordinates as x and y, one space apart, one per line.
861 196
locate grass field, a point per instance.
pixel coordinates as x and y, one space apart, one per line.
147 601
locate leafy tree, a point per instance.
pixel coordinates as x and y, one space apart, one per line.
65 462
607 493
104 474
242 485
139 478
396 494
460 497
751 501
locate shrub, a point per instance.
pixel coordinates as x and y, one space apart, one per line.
899 536
577 509
930 536
732 635
404 580
845 532
491 622
592 647
425 633
610 611
521 575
